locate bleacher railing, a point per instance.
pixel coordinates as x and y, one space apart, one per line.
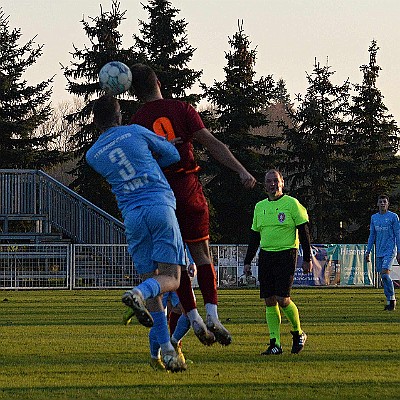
33 192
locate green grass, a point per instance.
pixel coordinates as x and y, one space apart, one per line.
71 345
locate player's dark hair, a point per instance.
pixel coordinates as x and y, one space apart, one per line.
104 111
383 196
144 80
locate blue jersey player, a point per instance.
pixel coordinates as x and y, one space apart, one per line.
179 323
131 158
385 234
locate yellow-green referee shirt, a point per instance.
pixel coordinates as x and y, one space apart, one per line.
277 220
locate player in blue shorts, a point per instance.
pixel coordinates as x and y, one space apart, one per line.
130 158
385 234
179 323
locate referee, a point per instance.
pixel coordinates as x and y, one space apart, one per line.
280 222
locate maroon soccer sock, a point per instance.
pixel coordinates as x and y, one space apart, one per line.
207 281
185 293
173 321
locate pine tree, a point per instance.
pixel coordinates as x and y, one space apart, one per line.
164 47
281 94
239 102
312 156
22 107
82 75
372 141
163 42
278 114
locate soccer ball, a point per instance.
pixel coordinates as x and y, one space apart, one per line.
115 78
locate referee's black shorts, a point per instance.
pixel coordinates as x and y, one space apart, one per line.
276 272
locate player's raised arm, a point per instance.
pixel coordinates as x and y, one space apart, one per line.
222 154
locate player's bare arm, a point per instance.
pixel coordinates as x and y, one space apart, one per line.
222 154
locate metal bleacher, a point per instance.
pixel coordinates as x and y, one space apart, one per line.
51 237
34 205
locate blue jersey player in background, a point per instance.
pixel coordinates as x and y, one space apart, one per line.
385 234
130 158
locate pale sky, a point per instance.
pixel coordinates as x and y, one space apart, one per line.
288 34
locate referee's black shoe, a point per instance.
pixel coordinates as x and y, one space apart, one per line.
298 341
273 349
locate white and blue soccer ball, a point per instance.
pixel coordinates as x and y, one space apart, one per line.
115 78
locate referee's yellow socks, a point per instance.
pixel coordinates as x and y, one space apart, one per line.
273 318
292 314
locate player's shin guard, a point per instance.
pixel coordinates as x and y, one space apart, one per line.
185 293
207 281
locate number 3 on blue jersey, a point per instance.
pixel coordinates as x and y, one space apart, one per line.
127 171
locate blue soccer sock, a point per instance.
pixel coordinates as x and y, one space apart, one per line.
161 332
154 346
150 288
182 328
388 287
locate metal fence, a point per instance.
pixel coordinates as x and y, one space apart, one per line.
92 266
107 266
66 266
102 266
88 266
35 266
228 261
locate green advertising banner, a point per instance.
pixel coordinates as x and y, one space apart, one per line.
337 265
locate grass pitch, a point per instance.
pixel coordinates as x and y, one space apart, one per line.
72 345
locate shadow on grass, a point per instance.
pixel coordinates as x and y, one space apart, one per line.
352 389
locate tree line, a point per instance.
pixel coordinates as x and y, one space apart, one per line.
337 148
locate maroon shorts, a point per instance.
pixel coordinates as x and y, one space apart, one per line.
191 207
